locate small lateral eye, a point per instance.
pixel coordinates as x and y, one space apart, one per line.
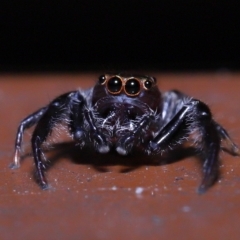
132 87
147 84
102 79
114 85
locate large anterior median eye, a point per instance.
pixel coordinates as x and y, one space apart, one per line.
114 85
132 87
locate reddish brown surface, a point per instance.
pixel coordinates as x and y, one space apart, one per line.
116 202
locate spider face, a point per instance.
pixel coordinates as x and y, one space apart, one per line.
132 90
126 113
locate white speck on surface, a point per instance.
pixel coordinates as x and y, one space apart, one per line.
186 209
179 189
139 190
114 188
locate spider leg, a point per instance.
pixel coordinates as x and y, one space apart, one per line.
55 112
25 124
125 144
99 139
77 116
228 145
193 116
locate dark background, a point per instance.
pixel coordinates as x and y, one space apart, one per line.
93 35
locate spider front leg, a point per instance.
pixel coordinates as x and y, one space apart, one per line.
194 116
98 138
46 118
57 111
25 124
125 144
80 114
72 108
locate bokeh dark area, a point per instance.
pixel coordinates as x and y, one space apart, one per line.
93 35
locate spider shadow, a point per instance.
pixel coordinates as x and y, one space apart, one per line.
102 162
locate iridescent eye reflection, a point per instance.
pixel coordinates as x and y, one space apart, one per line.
114 85
132 87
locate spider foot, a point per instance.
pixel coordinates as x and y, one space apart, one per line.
231 148
125 144
202 188
45 186
103 149
206 183
16 160
42 181
100 143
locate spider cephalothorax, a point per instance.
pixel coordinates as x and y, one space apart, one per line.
123 112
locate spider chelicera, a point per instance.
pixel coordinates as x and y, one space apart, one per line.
122 112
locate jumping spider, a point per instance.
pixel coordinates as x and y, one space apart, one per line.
122 112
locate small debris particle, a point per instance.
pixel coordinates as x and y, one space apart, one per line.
139 190
186 209
157 220
178 178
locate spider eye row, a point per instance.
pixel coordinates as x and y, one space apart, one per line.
131 86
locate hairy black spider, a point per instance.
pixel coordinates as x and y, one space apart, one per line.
122 112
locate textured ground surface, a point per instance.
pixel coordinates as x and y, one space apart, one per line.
110 197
